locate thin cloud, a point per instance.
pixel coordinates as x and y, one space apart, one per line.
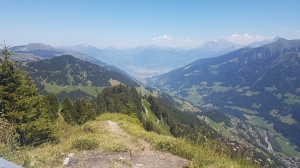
189 41
297 31
163 38
244 38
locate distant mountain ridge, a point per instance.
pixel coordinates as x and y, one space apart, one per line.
260 43
39 51
218 45
141 62
145 61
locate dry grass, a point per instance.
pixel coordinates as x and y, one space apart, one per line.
75 139
200 155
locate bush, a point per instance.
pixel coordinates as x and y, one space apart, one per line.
8 135
85 144
90 128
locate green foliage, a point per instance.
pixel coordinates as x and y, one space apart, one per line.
68 111
148 125
85 144
119 99
156 125
68 70
180 123
83 111
51 103
90 128
75 94
21 105
78 112
37 132
8 135
217 116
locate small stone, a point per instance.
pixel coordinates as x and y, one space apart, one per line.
66 161
139 165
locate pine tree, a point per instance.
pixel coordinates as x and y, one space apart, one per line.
148 125
21 105
52 105
84 111
68 111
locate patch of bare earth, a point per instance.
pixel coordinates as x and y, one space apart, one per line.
139 155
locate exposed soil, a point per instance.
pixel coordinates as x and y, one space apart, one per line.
140 154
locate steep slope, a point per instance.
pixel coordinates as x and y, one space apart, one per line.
211 69
67 73
249 82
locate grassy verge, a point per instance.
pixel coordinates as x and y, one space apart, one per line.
200 155
76 139
72 139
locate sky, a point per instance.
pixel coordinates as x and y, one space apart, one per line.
132 23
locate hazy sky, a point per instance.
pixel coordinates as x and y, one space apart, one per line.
131 23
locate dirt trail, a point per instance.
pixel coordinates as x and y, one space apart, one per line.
140 154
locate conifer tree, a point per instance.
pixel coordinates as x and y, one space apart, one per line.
84 111
68 111
21 105
51 104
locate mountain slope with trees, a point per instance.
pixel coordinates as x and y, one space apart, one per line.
260 83
71 76
39 51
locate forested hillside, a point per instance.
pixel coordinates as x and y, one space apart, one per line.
255 84
68 70
72 77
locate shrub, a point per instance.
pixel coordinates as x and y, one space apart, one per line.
90 128
8 135
85 144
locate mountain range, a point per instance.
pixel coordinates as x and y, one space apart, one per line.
141 62
147 61
258 85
